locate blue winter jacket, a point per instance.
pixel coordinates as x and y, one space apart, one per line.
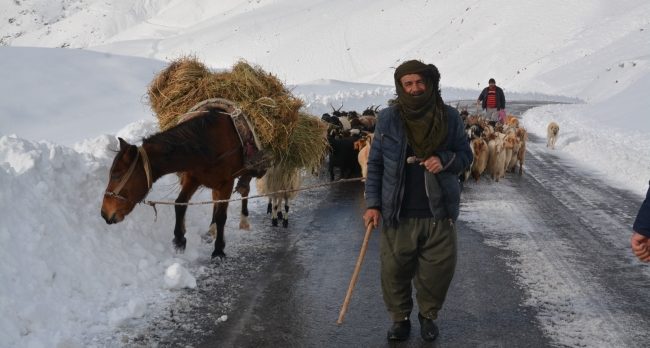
387 158
642 222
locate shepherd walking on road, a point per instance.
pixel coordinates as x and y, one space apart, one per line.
492 100
420 148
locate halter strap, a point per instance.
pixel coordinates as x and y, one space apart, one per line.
147 166
147 170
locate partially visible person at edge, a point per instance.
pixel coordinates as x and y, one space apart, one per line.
412 187
641 238
492 100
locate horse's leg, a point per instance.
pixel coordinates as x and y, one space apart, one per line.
285 220
269 206
274 210
243 187
219 218
188 188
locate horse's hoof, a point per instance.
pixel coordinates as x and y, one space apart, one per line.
244 226
285 223
274 222
179 244
219 253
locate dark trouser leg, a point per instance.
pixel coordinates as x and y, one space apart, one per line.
436 266
398 249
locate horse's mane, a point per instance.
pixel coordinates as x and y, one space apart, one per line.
189 136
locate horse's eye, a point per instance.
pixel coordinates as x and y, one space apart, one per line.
115 177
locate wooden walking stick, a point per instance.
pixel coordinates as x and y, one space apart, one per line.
355 274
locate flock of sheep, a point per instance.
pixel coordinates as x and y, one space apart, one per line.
348 133
497 147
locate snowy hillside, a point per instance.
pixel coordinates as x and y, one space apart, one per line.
526 46
73 76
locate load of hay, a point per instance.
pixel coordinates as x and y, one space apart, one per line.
293 138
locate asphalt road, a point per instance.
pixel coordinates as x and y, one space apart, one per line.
287 288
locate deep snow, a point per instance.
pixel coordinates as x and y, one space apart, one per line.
66 277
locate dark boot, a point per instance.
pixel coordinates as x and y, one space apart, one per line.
399 331
428 329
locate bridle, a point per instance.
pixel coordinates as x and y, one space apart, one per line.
147 170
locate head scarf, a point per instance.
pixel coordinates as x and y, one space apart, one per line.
423 115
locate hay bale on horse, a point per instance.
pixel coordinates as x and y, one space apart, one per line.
239 123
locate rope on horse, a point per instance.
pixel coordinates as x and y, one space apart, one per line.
153 203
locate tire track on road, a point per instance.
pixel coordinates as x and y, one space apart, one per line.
570 233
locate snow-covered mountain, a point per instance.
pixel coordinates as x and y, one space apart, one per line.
73 75
586 49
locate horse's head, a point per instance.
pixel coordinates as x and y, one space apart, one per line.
129 182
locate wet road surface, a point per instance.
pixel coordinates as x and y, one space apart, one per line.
284 287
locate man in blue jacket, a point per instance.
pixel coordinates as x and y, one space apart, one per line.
412 187
641 237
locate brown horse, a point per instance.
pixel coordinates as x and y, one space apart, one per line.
205 150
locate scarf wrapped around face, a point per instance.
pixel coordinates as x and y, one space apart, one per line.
423 115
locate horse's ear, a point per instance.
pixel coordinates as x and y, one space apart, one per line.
123 144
